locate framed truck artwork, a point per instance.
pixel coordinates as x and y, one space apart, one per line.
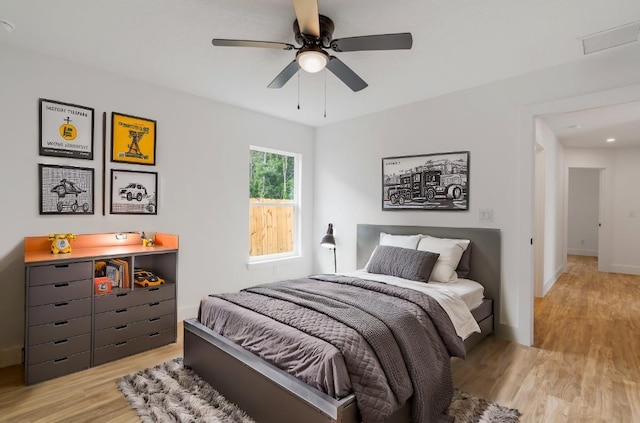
133 139
426 182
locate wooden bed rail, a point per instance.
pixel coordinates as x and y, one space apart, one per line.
265 392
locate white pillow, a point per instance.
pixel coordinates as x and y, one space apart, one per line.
450 251
402 241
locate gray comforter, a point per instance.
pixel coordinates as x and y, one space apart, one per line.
395 343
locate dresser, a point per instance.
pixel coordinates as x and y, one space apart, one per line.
70 325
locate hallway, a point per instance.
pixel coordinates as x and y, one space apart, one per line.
586 363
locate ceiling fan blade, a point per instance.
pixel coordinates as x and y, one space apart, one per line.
345 74
307 15
284 76
402 41
248 43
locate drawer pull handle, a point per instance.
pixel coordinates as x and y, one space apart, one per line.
154 304
121 310
154 319
122 294
153 289
60 266
60 360
151 335
62 341
61 304
121 327
64 322
119 344
61 285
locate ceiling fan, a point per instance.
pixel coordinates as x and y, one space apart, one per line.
314 33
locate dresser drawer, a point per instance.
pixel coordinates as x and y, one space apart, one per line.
135 297
58 312
59 367
60 348
54 273
57 292
124 316
133 346
114 335
59 330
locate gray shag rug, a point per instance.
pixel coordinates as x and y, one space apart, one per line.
170 392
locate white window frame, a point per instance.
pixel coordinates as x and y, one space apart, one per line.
297 213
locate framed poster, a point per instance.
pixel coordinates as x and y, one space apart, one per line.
134 192
133 139
426 182
66 130
65 189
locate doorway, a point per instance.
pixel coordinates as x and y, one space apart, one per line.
583 211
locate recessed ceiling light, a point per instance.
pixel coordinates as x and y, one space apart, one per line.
6 25
576 126
611 139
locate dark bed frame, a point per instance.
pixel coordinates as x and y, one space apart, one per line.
270 395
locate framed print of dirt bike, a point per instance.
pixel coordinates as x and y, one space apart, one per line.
65 189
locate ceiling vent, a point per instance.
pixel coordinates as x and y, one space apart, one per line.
611 38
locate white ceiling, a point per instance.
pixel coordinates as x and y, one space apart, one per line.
591 128
457 44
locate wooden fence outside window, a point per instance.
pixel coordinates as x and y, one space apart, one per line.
271 226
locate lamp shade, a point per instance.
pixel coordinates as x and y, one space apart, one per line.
328 241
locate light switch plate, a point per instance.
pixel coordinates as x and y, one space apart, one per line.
486 216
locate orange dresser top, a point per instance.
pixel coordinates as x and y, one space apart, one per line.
38 248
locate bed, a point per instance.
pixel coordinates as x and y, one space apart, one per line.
257 386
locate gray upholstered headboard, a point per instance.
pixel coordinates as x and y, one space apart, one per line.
485 252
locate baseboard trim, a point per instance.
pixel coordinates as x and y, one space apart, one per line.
627 270
552 281
578 252
510 333
10 356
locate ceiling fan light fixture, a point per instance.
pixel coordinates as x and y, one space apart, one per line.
312 59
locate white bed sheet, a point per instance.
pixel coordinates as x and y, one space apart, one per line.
472 292
450 299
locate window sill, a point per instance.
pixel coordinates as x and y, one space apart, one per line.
273 262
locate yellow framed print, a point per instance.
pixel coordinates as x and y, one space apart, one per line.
133 139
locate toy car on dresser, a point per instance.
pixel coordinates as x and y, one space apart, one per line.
145 278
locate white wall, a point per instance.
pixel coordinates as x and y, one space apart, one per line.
626 214
554 228
620 194
494 122
202 161
583 211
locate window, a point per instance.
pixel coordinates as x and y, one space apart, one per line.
274 204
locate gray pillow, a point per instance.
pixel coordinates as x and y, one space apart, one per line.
464 268
402 262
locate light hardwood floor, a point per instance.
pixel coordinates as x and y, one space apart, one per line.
87 396
585 368
586 364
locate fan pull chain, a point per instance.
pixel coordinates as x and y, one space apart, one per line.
325 93
299 89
